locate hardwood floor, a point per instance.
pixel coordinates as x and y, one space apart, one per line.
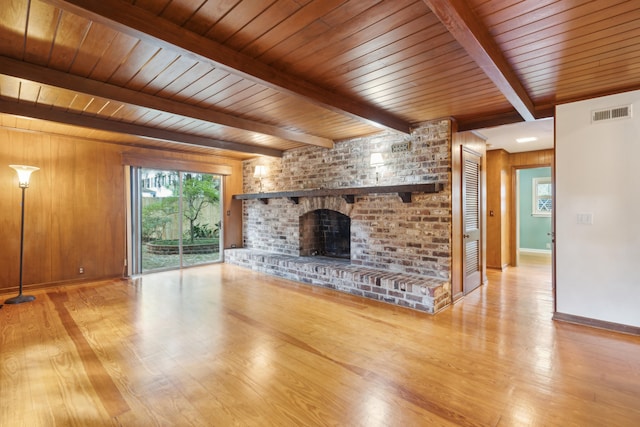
224 346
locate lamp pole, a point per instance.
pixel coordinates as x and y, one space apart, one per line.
24 172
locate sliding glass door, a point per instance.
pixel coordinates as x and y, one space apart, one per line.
178 217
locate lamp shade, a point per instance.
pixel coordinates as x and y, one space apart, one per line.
260 171
376 159
24 173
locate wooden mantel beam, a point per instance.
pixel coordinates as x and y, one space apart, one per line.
58 116
464 26
59 79
139 23
404 191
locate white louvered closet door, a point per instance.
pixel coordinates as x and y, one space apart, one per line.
471 220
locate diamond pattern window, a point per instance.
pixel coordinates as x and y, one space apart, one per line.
542 196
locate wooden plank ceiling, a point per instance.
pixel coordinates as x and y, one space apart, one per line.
246 77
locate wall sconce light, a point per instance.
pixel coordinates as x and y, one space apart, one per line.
376 161
24 173
260 172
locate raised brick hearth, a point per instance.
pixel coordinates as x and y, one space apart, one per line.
429 294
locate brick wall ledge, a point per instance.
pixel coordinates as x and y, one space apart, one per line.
423 293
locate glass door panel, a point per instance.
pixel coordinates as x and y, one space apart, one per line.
160 222
201 222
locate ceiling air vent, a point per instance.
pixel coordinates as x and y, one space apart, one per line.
611 114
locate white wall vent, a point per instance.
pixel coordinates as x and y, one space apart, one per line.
613 113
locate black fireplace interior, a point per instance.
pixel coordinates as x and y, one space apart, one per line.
327 233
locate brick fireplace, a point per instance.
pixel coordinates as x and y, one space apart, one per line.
324 232
398 252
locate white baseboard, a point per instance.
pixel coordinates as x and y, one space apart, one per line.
535 251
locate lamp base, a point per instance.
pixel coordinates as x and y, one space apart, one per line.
20 299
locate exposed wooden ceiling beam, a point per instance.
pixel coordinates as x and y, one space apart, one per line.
460 21
478 122
50 77
466 123
139 23
28 110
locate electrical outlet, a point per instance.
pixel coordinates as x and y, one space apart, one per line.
81 270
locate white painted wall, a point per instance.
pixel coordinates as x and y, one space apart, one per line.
598 173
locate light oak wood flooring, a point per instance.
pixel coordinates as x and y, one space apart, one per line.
224 346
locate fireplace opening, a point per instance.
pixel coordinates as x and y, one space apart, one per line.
325 232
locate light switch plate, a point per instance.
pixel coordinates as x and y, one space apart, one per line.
585 218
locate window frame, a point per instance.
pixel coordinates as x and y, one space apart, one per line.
535 211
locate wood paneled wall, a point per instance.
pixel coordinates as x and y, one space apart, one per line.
75 213
498 208
232 212
501 169
532 158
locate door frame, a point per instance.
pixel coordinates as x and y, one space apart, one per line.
477 143
515 221
134 219
466 286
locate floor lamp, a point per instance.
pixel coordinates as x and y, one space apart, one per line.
24 173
